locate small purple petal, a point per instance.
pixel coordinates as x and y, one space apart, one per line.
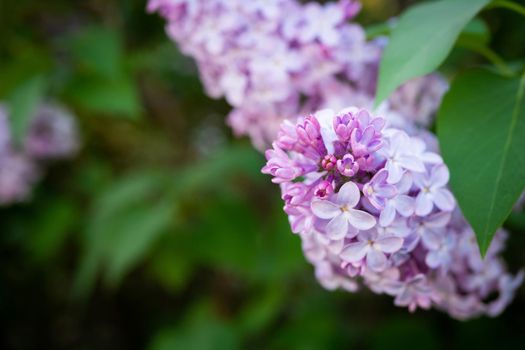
325 209
337 227
355 252
360 219
424 204
389 244
444 200
348 195
376 260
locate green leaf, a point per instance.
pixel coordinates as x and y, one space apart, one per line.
262 310
50 228
98 50
422 40
102 83
202 329
22 105
132 235
379 29
476 37
481 128
125 221
117 97
476 32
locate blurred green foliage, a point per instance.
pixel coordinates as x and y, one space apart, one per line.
163 234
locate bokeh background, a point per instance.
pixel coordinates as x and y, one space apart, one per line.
162 233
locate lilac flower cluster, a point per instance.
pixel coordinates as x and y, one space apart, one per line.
278 59
371 203
51 135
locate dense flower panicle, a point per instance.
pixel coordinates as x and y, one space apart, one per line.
372 203
278 59
52 135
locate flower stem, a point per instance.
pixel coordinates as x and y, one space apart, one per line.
490 56
495 59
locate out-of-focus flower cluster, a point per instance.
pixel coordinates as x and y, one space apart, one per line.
278 59
371 203
51 135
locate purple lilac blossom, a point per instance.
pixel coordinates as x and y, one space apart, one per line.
52 135
422 252
278 59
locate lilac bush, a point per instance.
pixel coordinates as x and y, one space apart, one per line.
372 204
52 135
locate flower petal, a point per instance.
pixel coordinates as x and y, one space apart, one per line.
380 177
438 220
421 180
349 194
355 252
395 172
431 157
431 239
325 209
412 163
387 215
360 219
404 205
325 118
444 200
389 244
337 227
433 259
424 204
439 176
376 260
404 185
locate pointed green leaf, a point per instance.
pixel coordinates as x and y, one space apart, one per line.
481 128
422 40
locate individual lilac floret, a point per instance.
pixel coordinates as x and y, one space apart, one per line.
347 166
344 219
433 191
401 204
329 162
324 189
415 292
378 191
364 142
383 215
281 167
372 247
